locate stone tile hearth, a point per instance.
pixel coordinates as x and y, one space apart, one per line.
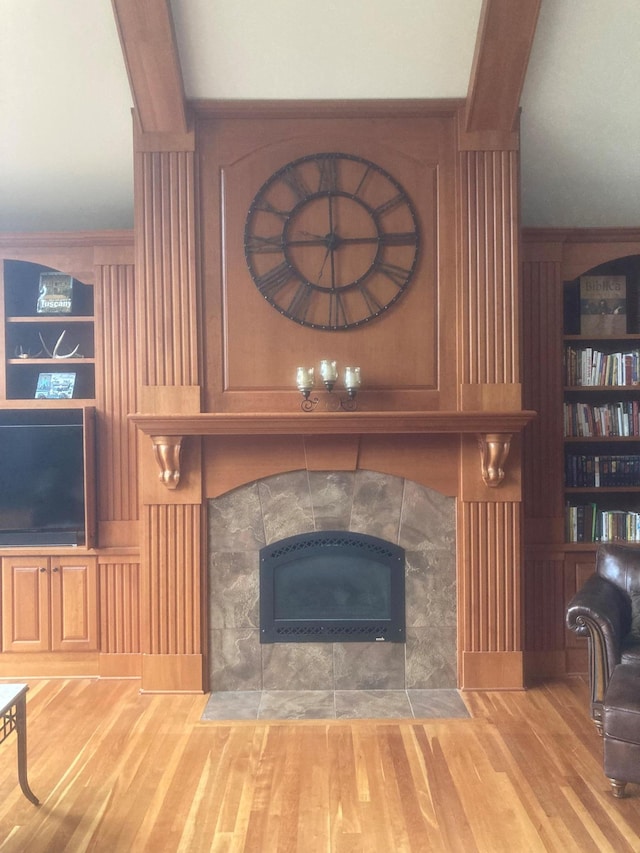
335 705
418 519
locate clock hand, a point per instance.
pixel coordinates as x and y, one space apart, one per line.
332 236
317 240
324 261
331 243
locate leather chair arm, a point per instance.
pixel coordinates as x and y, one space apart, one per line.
602 612
604 604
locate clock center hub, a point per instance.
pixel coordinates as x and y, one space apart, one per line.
332 241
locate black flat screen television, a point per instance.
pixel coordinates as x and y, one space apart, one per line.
42 477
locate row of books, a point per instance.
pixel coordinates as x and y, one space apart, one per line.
601 471
585 420
585 523
587 366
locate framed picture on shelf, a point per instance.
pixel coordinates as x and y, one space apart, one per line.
54 293
55 386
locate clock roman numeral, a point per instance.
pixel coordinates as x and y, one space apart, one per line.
399 238
296 183
266 207
259 244
362 181
373 306
299 305
388 205
328 181
337 312
398 275
275 279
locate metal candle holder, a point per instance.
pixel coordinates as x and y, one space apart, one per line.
305 379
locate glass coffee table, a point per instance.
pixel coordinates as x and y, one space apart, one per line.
13 717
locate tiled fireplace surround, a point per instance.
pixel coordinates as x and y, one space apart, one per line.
419 519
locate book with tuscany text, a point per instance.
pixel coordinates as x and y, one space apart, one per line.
603 305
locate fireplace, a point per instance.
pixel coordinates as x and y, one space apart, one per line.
332 586
417 519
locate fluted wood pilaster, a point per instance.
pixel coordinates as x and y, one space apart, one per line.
490 587
120 608
168 302
490 558
166 276
489 303
171 581
116 393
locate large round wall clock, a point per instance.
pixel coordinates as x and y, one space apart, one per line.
331 240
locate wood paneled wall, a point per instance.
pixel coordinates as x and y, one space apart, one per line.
119 607
476 363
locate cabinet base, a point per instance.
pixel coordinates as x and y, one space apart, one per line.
49 665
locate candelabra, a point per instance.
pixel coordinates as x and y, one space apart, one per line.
329 374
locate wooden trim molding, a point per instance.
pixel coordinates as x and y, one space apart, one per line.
211 108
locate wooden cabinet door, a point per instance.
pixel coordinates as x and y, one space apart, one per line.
25 604
74 604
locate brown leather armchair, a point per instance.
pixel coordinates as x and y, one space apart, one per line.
607 611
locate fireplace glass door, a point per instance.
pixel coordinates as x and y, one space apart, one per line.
332 586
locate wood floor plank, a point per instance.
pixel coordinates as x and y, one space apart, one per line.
118 771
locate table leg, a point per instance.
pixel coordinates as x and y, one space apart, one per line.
21 732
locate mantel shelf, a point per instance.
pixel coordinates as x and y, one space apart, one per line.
493 429
332 423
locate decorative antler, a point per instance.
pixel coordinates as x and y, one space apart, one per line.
55 352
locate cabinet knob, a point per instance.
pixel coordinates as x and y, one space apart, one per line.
56 569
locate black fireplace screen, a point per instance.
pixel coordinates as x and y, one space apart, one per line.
332 586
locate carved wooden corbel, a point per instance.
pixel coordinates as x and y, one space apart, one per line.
166 449
494 450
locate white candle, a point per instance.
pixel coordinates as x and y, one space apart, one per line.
351 377
305 378
328 371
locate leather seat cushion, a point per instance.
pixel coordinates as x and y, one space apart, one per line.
631 654
621 712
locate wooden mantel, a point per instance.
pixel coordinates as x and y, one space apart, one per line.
493 429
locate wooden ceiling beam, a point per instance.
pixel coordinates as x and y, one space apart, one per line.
505 36
151 57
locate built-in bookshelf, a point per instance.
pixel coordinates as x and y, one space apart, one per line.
41 341
601 411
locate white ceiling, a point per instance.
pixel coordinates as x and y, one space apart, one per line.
65 104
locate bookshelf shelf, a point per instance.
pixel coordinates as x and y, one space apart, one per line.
49 362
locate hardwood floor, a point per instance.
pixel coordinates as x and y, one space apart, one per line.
117 771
